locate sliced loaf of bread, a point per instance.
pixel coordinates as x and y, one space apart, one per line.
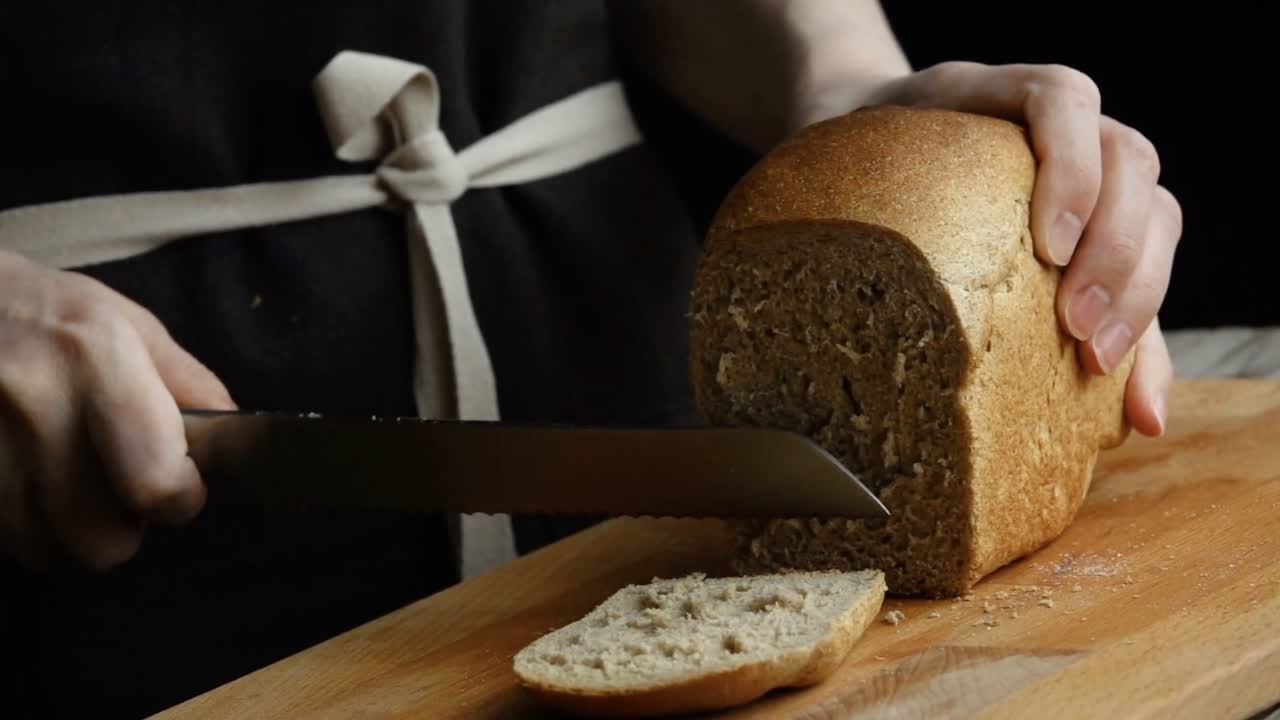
871 283
696 643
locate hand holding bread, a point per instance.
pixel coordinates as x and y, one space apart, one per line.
1097 210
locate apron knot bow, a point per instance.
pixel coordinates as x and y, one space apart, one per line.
384 109
425 170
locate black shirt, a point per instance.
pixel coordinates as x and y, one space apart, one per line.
579 282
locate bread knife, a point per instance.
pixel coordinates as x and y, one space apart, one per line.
293 462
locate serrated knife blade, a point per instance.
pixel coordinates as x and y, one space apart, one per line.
413 465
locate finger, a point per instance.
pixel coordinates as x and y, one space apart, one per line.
1063 117
133 422
70 511
190 382
23 535
1112 247
1146 290
85 513
1062 110
1147 391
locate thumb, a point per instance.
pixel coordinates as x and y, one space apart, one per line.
192 385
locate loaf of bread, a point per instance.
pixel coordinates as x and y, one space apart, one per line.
694 644
871 283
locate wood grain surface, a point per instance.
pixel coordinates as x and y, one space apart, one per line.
1162 600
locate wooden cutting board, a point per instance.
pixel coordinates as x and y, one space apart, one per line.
1161 600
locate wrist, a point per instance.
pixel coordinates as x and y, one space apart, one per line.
846 57
823 95
758 70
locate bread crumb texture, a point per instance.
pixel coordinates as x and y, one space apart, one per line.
872 284
647 645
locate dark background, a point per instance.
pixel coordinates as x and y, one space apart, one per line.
1194 79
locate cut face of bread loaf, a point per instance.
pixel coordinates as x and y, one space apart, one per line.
694 644
872 284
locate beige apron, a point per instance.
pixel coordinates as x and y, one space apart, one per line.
373 108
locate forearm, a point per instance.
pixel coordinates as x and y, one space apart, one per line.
752 68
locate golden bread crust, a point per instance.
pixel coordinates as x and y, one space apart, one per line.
957 188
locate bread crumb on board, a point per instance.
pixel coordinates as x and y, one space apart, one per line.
894 617
1047 602
935 615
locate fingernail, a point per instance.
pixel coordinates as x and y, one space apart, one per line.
1063 238
1162 413
1086 311
228 402
1111 343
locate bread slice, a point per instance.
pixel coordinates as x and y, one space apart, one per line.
695 643
871 283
